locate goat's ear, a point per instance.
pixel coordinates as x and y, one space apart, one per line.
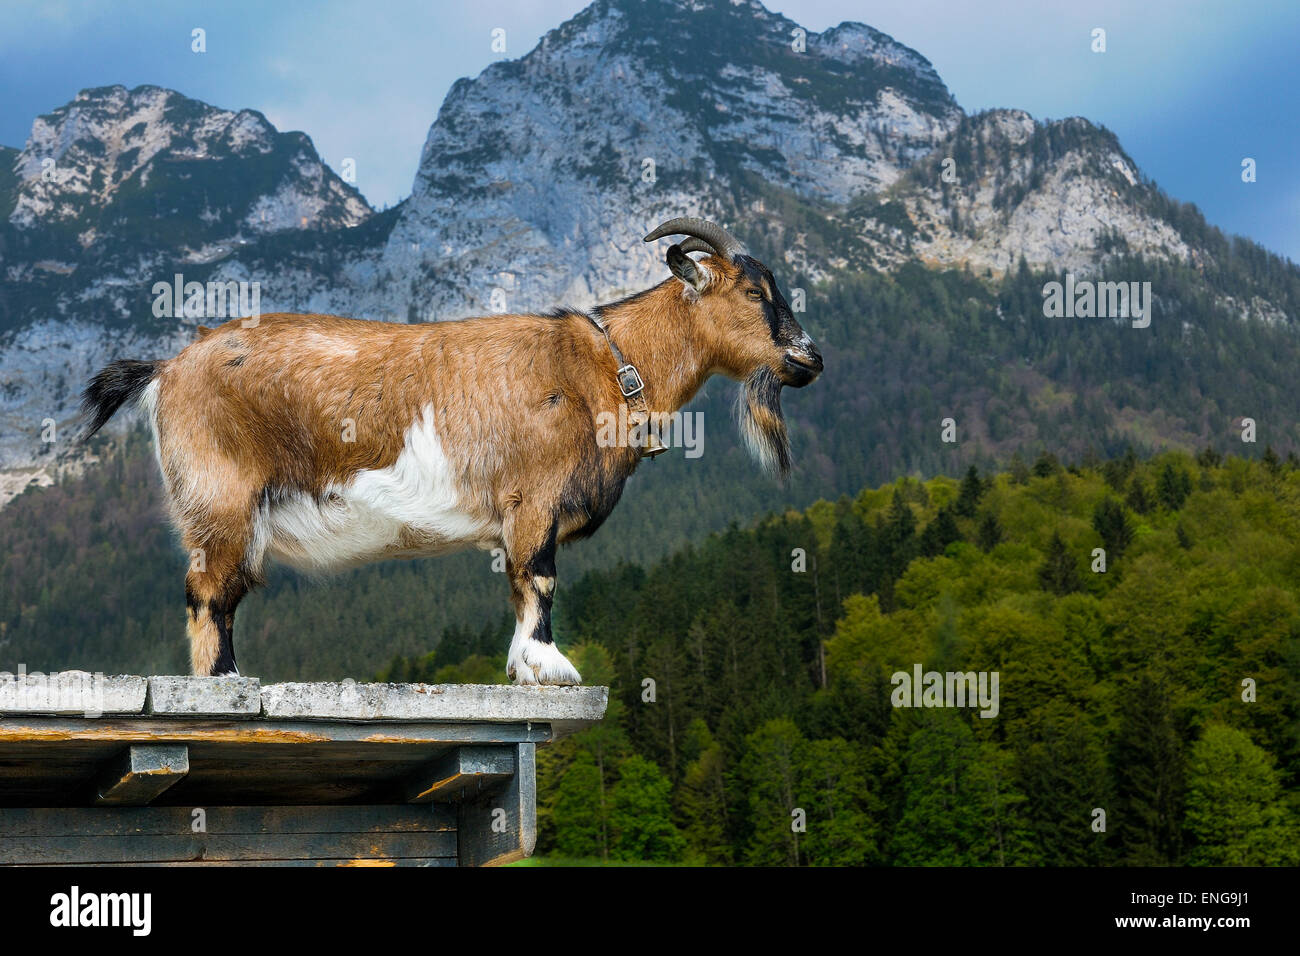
685 268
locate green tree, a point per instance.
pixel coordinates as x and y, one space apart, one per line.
1149 762
990 532
577 815
641 815
1138 498
939 533
960 806
1018 469
702 798
1059 574
1234 815
1173 487
769 773
842 829
1046 465
968 498
1110 521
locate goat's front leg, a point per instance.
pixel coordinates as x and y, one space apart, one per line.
530 563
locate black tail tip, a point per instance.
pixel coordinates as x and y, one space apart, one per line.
111 388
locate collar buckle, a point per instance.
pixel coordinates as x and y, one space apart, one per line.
629 381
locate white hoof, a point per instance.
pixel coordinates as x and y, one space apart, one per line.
532 662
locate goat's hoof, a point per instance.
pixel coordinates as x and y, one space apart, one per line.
535 662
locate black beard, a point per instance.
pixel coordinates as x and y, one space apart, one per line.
758 413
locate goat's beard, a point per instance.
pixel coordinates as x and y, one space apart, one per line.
758 413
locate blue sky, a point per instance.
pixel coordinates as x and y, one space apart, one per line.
1189 87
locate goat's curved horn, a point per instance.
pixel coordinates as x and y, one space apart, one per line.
697 245
710 232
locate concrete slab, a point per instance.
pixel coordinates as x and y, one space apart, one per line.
204 696
567 709
71 693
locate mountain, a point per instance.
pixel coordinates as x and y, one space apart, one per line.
541 175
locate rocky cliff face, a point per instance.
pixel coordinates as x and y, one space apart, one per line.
540 176
1002 187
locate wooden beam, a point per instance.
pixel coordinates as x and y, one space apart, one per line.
27 730
139 774
465 771
392 835
205 847
90 822
501 827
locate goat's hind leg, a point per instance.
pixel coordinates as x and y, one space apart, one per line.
217 581
530 563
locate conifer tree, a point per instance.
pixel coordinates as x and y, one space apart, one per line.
1059 574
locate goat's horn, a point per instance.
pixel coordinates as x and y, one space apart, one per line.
710 232
697 245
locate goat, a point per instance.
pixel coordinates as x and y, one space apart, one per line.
326 442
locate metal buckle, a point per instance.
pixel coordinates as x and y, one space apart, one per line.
628 375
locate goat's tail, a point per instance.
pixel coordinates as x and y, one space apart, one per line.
112 388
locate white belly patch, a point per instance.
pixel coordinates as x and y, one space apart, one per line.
408 509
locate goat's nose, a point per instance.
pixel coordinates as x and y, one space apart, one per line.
807 355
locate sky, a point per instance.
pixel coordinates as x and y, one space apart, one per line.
1191 88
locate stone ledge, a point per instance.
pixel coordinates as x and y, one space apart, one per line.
204 696
72 693
78 694
567 709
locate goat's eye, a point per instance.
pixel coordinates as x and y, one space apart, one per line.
754 293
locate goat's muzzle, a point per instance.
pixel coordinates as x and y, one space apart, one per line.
801 365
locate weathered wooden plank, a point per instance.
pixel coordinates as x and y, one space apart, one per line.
501 827
141 773
204 696
195 847
71 693
228 821
466 770
565 708
40 729
399 862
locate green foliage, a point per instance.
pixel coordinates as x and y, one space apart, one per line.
1060 572
990 532
1111 522
774 706
641 816
972 489
1174 486
1233 812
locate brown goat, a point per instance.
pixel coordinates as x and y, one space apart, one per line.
326 442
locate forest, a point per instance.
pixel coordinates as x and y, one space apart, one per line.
1149 713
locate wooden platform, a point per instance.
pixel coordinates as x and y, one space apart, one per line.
223 771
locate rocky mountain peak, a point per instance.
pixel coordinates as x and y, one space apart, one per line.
112 145
540 175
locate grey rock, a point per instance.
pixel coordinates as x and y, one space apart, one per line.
205 696
567 709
